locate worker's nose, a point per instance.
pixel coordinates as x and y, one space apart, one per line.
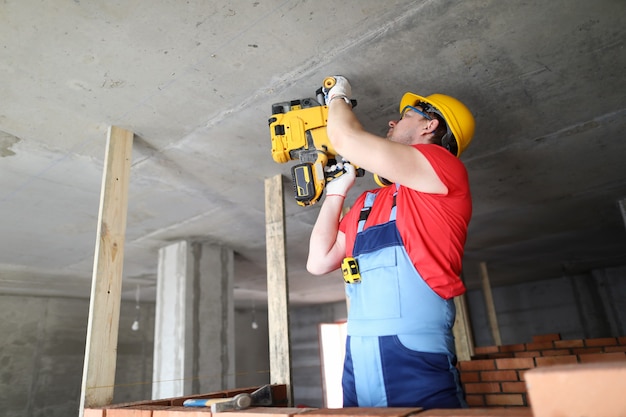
393 123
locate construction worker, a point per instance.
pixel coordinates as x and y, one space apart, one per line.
406 240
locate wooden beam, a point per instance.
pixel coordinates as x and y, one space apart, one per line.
463 337
277 286
104 309
491 309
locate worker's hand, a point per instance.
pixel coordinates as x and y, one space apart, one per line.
341 88
341 184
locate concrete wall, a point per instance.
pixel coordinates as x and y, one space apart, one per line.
43 346
306 365
577 307
42 349
251 348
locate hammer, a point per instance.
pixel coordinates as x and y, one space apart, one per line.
262 396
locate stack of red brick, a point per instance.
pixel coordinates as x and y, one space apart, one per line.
495 375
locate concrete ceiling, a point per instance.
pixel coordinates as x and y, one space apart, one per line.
195 81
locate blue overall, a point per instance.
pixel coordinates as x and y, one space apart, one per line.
400 348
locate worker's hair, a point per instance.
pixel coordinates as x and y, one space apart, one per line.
441 130
441 136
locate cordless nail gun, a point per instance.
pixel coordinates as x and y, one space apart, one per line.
298 131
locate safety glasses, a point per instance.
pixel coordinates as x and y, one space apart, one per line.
416 110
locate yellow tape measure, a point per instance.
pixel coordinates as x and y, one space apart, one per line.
350 269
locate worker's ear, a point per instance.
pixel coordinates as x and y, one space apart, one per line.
432 125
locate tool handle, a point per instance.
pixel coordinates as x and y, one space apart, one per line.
336 173
195 402
204 402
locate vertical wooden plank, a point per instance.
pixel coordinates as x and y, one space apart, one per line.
106 286
277 287
463 337
491 309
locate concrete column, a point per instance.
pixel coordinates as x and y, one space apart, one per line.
194 346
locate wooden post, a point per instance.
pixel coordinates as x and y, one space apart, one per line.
106 287
491 309
463 338
277 287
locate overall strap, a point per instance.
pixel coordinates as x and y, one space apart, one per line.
392 215
365 211
367 208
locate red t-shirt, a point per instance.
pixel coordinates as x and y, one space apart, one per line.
433 227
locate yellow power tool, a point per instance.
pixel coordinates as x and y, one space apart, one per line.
298 131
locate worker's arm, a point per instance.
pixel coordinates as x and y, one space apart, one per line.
394 161
327 246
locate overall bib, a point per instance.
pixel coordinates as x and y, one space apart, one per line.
400 348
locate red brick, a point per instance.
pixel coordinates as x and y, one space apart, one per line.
514 387
136 411
556 360
621 340
584 351
176 411
478 365
527 354
578 390
602 357
478 350
482 387
515 363
232 392
504 399
93 412
556 352
513 348
500 355
495 355
601 341
139 404
565 344
539 346
279 395
475 400
499 376
615 349
470 377
547 337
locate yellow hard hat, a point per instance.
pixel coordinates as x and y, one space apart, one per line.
457 116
